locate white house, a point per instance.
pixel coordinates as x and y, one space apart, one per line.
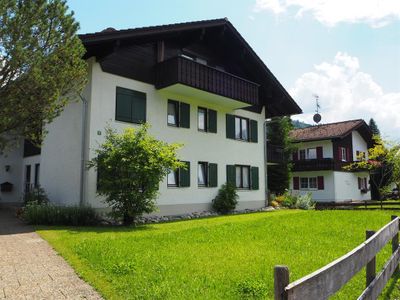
196 83
322 152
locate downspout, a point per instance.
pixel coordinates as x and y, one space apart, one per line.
265 161
83 152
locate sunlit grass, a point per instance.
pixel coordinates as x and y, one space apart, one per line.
228 257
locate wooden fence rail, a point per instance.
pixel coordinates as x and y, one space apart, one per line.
329 279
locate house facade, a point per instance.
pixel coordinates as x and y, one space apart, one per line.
321 153
197 83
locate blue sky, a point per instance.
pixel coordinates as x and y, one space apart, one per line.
347 52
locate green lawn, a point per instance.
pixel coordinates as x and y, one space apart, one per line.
216 258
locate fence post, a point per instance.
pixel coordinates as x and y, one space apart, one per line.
371 265
281 280
395 242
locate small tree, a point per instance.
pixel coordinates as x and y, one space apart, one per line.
130 167
383 164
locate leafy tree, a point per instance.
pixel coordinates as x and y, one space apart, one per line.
41 65
278 135
383 164
374 128
130 167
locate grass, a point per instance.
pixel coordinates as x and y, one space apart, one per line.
228 257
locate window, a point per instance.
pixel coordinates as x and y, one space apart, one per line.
207 174
242 177
180 177
37 172
207 120
173 113
130 106
302 154
202 119
172 179
344 154
312 182
27 178
240 128
178 114
202 176
363 183
304 183
311 153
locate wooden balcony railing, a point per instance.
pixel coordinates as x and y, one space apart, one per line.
188 72
318 165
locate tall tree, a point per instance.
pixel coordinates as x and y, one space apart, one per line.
278 176
41 65
374 128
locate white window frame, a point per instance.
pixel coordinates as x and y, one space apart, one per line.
308 180
300 156
344 153
308 153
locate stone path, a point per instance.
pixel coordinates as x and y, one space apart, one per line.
31 269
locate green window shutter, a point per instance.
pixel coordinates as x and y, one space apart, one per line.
253 131
212 175
138 107
254 178
184 175
231 174
212 121
184 115
123 106
230 126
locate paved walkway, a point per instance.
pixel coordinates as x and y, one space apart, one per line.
31 269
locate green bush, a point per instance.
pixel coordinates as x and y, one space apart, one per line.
305 202
253 289
289 200
47 214
37 195
226 200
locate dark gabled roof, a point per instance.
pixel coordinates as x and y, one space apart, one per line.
331 131
289 106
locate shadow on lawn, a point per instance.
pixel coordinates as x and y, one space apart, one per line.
98 229
393 284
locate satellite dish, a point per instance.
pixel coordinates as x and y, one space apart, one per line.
317 118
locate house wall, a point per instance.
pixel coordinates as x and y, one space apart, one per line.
359 144
13 158
346 186
198 146
325 195
327 149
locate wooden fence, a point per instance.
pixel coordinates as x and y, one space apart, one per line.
329 279
368 204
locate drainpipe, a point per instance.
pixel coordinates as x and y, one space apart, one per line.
83 152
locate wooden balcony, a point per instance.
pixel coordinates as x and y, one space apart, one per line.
275 154
318 165
180 70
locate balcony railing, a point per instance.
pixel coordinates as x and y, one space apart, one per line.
275 154
188 72
319 165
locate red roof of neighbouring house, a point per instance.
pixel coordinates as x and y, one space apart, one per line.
331 130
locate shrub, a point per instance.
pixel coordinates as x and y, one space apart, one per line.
290 200
226 200
274 204
37 195
280 198
47 214
305 202
252 289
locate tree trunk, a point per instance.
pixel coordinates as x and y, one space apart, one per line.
128 219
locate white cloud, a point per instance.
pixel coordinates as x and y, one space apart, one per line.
347 93
376 13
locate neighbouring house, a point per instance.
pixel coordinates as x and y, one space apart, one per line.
197 83
322 152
